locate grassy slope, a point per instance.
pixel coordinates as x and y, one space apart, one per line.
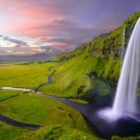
99 57
73 75
8 132
32 108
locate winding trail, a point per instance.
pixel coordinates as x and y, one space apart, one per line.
18 124
11 121
103 130
84 109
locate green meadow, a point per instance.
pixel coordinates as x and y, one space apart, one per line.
7 94
56 119
25 75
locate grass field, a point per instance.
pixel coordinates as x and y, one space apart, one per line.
72 78
7 94
57 120
25 75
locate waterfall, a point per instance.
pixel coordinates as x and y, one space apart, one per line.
123 44
125 100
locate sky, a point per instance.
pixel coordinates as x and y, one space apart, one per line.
29 27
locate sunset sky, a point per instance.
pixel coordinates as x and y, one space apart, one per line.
28 27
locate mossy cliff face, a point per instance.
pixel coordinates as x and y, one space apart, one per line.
100 58
106 49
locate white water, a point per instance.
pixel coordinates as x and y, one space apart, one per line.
125 103
123 44
125 100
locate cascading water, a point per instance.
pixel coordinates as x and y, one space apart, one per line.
125 103
125 100
123 44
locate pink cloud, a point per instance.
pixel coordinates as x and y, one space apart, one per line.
20 15
46 38
60 46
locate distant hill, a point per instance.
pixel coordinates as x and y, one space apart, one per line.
50 54
14 58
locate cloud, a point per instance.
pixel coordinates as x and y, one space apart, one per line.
18 43
14 46
16 15
60 46
36 26
62 31
11 46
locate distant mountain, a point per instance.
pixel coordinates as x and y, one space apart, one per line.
14 58
49 54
